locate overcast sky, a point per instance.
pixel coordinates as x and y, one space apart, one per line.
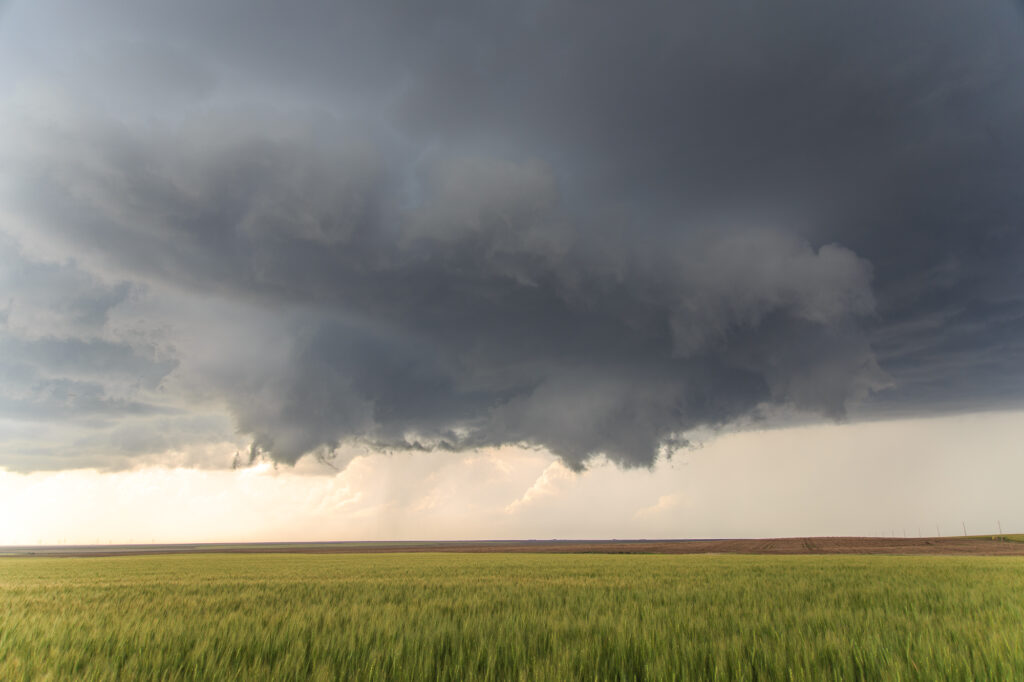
584 242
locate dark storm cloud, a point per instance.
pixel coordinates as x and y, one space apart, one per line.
53 364
481 314
91 358
585 228
46 296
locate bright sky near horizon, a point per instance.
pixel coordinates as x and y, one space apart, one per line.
310 269
921 476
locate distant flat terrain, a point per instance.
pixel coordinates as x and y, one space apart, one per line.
994 545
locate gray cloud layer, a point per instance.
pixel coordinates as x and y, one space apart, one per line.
591 229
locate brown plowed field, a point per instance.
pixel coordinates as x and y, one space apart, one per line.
835 545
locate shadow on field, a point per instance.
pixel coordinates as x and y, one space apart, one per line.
978 545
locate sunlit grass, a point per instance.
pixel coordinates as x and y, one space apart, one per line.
499 617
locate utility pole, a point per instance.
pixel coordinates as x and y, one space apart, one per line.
1000 524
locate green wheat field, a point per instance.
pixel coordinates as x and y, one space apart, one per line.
511 617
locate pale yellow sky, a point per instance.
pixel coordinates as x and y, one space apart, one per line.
856 479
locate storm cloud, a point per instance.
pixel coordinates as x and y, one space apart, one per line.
587 228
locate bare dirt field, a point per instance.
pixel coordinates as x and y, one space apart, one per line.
977 545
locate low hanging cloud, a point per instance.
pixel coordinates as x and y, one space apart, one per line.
488 235
485 313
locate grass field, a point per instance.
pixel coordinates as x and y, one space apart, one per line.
511 617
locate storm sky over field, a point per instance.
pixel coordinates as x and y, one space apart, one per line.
264 231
